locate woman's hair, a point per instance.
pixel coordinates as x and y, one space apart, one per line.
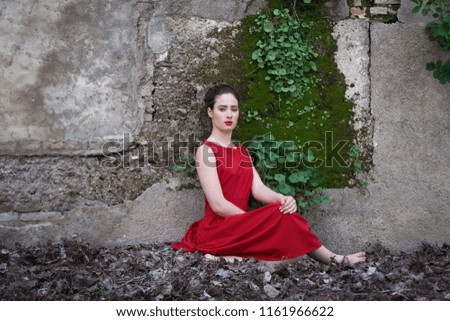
217 90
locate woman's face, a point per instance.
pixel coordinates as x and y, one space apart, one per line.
225 113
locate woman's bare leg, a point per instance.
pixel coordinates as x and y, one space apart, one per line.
228 258
322 254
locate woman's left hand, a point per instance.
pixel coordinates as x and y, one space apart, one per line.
288 205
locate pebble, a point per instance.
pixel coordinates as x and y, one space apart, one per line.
371 270
271 291
267 277
253 286
206 297
167 289
158 273
108 283
224 273
214 54
194 283
3 267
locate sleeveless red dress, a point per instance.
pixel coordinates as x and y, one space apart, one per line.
264 233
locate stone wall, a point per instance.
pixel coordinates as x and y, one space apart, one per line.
77 75
405 202
85 79
70 76
82 79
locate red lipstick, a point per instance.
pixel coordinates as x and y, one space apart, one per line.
228 123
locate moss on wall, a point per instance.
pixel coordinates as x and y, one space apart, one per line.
262 112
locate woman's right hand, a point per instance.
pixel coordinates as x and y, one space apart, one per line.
288 204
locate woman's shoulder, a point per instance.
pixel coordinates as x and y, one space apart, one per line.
233 145
206 147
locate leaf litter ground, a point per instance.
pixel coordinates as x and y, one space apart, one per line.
75 270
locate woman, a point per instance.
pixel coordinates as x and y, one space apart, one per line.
227 176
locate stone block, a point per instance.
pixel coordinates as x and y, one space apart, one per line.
70 80
40 216
338 9
378 10
405 14
9 217
215 10
161 213
6 206
357 11
353 59
357 3
386 1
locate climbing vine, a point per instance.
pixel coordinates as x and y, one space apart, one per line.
287 171
439 30
286 54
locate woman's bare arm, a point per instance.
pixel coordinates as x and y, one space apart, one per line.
261 192
205 163
264 194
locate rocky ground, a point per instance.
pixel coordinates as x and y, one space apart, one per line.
74 270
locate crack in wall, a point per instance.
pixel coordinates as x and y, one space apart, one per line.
368 156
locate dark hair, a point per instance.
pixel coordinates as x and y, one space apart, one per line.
217 90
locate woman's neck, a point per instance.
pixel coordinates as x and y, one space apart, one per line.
222 138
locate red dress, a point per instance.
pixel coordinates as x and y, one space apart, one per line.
264 233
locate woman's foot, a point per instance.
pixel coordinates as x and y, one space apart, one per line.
350 259
322 254
356 258
228 258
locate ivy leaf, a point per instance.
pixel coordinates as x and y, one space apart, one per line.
291 157
268 27
310 156
256 54
282 160
416 9
325 199
299 177
276 12
284 188
280 178
431 66
272 55
303 205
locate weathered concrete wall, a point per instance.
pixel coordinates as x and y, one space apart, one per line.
70 76
72 70
161 213
136 62
163 51
402 112
406 201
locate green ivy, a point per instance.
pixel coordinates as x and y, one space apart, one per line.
286 54
187 166
439 30
356 163
288 171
